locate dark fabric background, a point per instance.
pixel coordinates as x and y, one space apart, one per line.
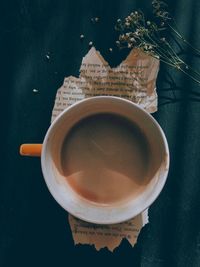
33 228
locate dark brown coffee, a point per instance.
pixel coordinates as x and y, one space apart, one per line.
105 159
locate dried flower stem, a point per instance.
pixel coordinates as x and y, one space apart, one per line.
148 36
176 31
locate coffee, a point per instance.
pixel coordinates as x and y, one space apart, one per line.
105 159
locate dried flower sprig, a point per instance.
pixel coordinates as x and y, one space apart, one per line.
151 36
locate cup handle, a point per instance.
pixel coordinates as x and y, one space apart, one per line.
32 150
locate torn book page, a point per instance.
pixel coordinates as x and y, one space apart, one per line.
109 236
133 79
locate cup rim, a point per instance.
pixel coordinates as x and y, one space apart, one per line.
113 216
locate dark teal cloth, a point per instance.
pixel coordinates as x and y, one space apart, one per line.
34 230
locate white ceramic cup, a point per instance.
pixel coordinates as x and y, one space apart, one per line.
63 192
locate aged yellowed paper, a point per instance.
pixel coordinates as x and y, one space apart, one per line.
133 79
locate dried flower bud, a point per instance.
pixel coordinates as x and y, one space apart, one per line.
137 32
122 37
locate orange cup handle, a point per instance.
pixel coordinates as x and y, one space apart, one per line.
32 150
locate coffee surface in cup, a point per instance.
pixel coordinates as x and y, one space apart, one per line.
105 159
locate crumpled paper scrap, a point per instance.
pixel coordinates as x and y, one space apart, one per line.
109 236
133 79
